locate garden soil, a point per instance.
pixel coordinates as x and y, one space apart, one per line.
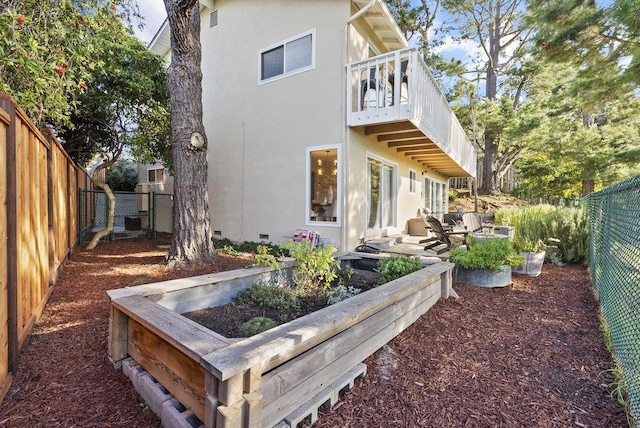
528 355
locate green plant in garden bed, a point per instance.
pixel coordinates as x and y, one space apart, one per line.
396 266
492 253
256 325
315 266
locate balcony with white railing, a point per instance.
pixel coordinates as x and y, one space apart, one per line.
395 97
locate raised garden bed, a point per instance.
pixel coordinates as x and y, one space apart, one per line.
260 380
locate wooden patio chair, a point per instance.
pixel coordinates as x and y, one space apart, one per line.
442 236
472 222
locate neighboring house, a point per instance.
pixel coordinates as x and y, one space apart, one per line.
319 116
155 181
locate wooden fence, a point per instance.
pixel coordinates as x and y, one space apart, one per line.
38 223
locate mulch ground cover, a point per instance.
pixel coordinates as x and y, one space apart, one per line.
530 354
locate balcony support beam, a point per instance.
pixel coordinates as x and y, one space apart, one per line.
404 136
386 128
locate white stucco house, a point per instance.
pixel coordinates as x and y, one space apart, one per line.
320 116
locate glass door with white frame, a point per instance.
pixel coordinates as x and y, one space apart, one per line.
380 194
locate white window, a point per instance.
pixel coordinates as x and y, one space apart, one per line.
381 194
434 196
155 175
292 56
323 185
413 181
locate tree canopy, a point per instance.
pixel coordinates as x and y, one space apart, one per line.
50 49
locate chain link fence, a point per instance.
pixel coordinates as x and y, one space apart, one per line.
614 215
137 214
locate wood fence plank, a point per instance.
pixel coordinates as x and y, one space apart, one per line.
5 377
13 313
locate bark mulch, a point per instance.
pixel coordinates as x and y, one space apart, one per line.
527 355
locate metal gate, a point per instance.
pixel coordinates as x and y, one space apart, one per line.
137 214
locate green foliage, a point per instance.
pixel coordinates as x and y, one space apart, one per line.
263 258
489 253
255 326
247 246
453 194
227 249
122 176
396 266
540 227
125 104
50 50
340 293
315 266
284 300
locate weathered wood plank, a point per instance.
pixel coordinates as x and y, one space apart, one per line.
118 335
5 377
163 292
271 348
13 312
186 335
313 360
176 371
289 401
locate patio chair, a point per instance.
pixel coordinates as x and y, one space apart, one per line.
404 83
472 222
372 91
442 236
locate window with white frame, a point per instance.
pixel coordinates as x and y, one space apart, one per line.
413 181
323 178
292 56
434 196
381 194
155 174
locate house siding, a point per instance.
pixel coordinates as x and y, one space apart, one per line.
259 133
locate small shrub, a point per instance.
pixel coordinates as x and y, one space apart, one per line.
340 293
316 267
283 300
256 325
227 249
487 254
247 246
453 195
263 258
394 267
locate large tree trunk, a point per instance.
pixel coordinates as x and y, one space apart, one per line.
489 172
191 242
587 186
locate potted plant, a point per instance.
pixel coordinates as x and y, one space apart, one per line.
486 264
534 252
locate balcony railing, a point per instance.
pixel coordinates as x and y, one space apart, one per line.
399 87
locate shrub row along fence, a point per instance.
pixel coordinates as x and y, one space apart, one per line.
137 214
38 223
615 271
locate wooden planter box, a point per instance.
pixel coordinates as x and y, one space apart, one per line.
260 380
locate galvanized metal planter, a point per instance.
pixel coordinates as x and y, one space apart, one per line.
483 277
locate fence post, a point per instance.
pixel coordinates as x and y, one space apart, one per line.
80 217
152 213
12 243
